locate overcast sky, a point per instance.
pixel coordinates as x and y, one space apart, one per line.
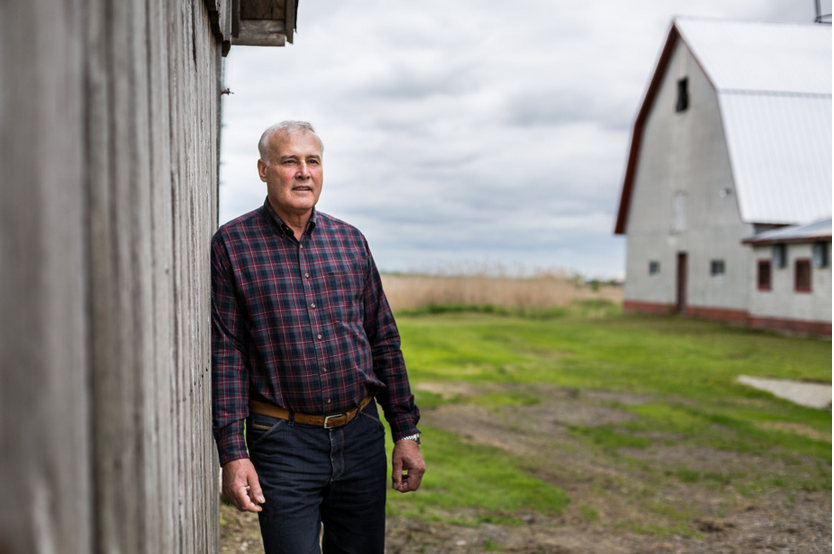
465 134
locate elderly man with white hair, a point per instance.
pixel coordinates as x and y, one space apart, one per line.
304 346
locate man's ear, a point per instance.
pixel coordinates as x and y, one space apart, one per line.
262 170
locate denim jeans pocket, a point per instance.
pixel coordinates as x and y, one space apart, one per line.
372 413
259 427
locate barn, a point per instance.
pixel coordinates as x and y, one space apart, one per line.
732 140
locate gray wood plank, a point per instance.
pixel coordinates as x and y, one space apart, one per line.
44 400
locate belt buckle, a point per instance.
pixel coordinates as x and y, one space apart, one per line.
327 420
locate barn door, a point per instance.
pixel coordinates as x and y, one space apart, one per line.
680 306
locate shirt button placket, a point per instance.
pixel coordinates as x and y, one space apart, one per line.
309 292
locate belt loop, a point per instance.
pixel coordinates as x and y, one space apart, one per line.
292 418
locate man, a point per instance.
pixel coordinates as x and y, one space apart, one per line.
303 346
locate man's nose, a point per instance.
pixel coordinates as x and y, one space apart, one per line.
303 170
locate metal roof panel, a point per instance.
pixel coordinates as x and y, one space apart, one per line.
780 153
771 57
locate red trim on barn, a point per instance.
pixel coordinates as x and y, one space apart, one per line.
635 306
717 314
820 328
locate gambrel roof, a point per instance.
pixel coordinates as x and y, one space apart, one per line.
773 84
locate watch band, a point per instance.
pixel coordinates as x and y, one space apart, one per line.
415 437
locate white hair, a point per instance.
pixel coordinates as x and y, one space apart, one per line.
287 128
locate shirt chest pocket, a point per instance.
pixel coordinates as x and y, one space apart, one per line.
343 295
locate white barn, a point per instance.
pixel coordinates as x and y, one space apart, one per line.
733 139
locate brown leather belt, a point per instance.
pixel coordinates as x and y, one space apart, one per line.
328 422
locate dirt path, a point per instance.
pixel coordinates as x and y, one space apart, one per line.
630 501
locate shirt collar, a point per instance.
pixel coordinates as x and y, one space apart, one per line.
284 229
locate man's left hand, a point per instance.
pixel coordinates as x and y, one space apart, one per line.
408 464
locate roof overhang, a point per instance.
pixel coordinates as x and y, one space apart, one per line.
817 231
763 242
263 22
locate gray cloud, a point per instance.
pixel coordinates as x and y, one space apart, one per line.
468 131
561 107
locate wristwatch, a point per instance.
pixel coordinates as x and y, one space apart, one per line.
415 437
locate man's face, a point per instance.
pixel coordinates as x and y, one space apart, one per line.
294 175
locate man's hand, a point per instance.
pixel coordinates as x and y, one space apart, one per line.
241 486
408 464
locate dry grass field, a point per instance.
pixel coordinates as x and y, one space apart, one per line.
408 292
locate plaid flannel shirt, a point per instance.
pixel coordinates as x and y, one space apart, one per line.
304 325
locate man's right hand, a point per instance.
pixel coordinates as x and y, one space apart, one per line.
241 486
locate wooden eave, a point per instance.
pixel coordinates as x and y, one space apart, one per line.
263 22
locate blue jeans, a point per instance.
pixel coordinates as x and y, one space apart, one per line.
312 476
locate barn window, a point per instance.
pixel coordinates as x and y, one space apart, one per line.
654 268
820 254
802 275
763 276
780 255
716 268
683 95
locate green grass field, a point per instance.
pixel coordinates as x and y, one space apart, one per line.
684 369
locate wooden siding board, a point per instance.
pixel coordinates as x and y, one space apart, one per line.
179 67
44 400
158 431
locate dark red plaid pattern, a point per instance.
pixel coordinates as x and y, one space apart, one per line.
303 325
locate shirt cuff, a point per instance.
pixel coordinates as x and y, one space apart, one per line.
231 444
404 425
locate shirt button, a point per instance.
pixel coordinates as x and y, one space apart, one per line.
313 305
301 246
324 370
307 275
328 401
319 336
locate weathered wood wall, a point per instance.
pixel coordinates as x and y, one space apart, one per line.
109 122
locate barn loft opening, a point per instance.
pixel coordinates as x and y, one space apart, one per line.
683 95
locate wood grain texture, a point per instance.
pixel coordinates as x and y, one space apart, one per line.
262 9
45 489
260 32
110 116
